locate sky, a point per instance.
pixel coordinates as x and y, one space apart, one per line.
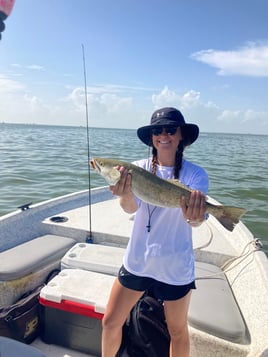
208 58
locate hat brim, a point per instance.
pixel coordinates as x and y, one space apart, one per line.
190 133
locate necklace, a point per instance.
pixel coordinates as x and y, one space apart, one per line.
150 213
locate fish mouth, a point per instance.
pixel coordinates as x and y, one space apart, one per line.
94 165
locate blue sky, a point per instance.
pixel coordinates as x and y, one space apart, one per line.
208 58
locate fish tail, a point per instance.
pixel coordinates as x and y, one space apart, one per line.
228 216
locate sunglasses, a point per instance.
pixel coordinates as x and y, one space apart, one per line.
170 130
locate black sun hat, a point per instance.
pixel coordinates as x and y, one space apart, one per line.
166 117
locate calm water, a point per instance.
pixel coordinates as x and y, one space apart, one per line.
41 162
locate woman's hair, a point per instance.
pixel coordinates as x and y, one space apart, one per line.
178 160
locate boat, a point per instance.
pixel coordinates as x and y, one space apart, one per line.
228 314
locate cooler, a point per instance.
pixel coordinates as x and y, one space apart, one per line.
95 257
72 307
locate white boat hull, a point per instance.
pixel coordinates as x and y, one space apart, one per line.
244 264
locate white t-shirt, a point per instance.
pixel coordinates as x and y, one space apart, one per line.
166 252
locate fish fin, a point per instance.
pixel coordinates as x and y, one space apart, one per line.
229 216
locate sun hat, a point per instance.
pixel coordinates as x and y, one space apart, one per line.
168 117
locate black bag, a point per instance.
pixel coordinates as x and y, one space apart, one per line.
20 321
145 334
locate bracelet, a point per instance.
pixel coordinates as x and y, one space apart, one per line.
193 223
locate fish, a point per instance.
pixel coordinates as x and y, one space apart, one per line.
160 192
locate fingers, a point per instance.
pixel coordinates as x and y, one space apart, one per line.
123 186
195 209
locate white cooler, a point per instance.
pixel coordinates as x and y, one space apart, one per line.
72 307
94 257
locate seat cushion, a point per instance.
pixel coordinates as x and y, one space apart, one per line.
30 256
12 348
213 307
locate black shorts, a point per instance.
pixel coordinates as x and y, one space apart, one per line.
158 289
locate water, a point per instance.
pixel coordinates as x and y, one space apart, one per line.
42 162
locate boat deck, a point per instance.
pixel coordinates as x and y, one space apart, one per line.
57 351
111 225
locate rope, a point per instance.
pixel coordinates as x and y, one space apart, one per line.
256 243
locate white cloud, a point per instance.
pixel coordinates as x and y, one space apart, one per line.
105 96
249 120
109 96
105 106
77 98
16 65
190 99
110 106
116 88
184 101
165 98
8 85
209 116
35 67
35 103
18 105
249 60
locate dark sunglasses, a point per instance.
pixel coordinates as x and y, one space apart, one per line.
170 130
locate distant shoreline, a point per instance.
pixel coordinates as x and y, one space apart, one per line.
97 127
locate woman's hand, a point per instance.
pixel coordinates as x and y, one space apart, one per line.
194 210
123 186
123 189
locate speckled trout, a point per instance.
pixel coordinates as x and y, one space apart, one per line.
159 192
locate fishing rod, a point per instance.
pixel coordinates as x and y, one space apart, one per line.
89 237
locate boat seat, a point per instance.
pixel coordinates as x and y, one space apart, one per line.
12 348
213 307
28 257
33 259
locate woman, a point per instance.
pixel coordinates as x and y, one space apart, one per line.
159 255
